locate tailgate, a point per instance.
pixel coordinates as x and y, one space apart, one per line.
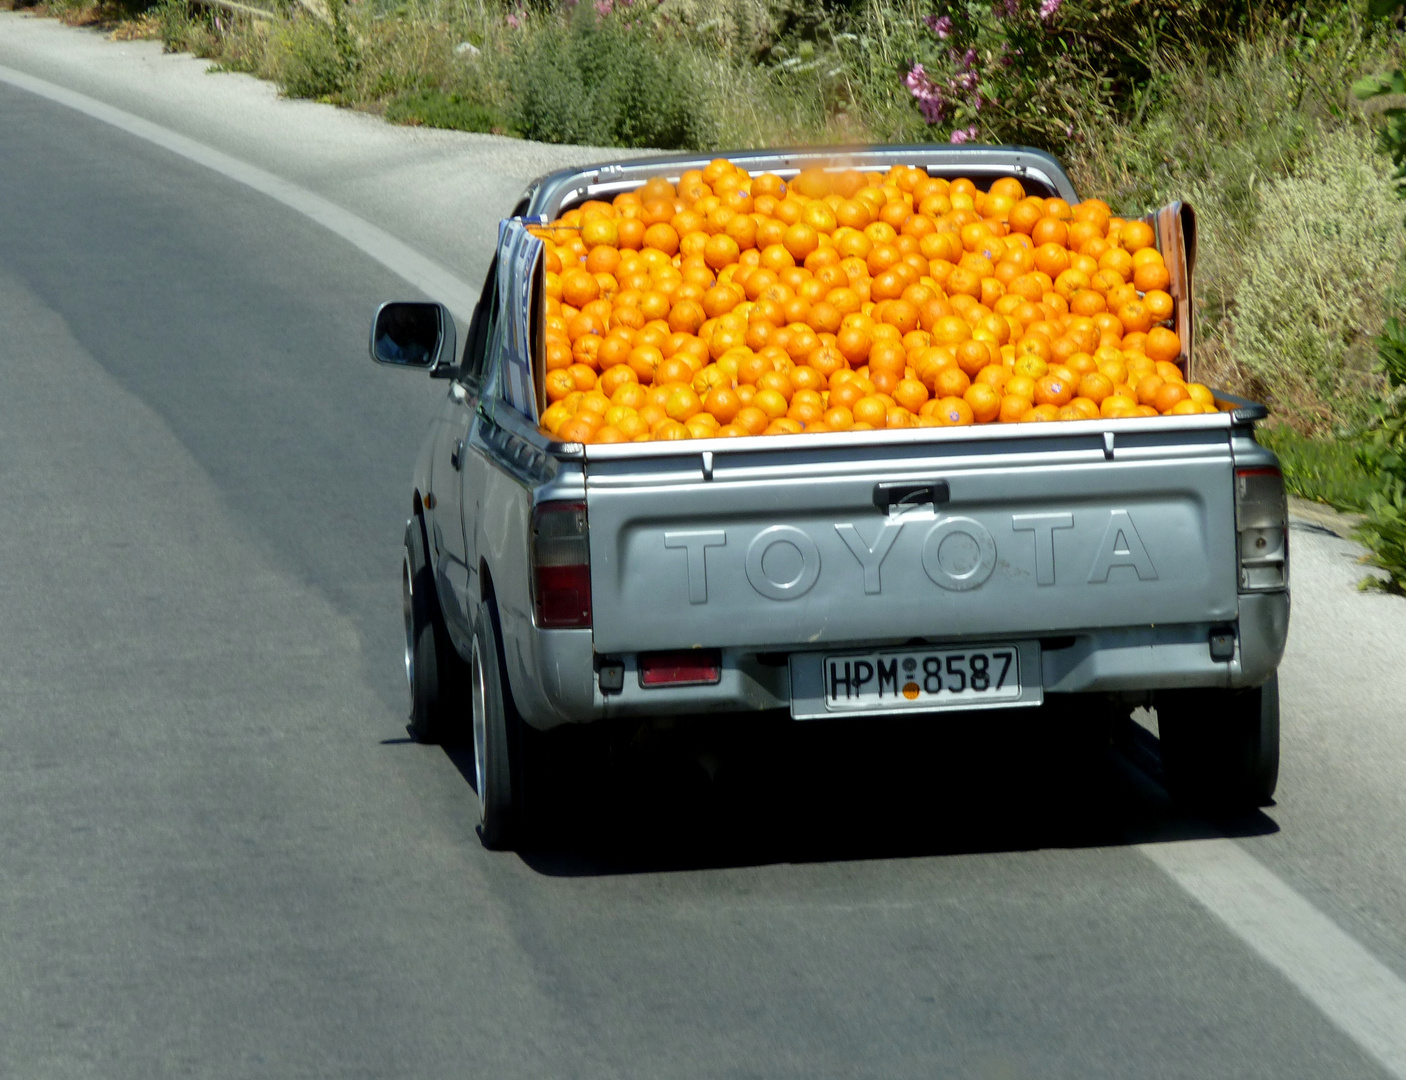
776 543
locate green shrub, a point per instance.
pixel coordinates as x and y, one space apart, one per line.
1384 531
607 80
434 108
183 29
1317 273
314 59
1322 470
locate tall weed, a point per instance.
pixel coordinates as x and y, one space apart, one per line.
1384 531
1317 273
606 81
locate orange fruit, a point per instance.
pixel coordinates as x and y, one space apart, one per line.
1087 302
1168 370
682 403
686 316
838 418
1049 230
579 287
603 259
995 374
611 382
1116 405
1159 305
1162 344
771 403
871 410
951 330
1025 215
911 394
950 412
578 429
1147 388
800 240
1168 395
1052 259
631 231
1053 390
673 369
1135 317
950 381
1095 386
558 384
1013 408
985 402
662 237
751 419
778 381
1033 345
1151 276
807 406
720 250
600 231
972 356
1041 414
1136 235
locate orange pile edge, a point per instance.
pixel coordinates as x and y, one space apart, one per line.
846 301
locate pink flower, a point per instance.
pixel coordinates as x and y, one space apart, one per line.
1005 9
1048 9
515 21
927 93
962 135
941 26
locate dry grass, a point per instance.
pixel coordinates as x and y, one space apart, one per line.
1300 230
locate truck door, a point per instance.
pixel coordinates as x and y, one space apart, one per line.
454 488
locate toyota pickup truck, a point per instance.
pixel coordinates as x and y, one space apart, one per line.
844 577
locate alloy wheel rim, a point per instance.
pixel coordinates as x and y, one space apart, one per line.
408 604
480 725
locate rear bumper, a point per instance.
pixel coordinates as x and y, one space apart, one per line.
553 673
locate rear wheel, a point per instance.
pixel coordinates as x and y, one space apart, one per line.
432 667
497 736
1220 748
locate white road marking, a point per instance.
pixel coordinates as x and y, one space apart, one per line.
1358 993
434 280
1354 990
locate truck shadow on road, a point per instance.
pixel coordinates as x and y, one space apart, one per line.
754 792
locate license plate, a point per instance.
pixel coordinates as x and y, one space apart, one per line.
922 680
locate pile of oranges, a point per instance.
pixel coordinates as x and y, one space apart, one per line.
844 301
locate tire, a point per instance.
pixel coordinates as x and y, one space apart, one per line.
1220 748
497 736
432 667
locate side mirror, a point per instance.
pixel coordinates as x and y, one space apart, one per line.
417 335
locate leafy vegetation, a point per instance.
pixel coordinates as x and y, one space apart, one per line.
1325 470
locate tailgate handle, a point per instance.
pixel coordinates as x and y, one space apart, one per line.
908 493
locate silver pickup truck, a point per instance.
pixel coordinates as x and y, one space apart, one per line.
848 577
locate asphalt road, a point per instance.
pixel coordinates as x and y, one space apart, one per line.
219 857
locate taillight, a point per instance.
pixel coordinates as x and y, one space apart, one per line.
1262 528
561 566
681 668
